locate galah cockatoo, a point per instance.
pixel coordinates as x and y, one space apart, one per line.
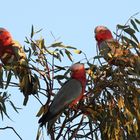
112 51
68 95
12 55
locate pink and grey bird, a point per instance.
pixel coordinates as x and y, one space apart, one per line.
111 50
68 95
12 55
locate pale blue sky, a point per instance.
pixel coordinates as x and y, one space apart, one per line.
73 21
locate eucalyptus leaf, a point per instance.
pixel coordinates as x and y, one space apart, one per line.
134 25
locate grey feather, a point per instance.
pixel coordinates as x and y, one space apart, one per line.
69 92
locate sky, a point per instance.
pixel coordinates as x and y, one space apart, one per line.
71 20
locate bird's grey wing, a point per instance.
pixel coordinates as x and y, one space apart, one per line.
69 92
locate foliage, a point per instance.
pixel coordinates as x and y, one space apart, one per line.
111 105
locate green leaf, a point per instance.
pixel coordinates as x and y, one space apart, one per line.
59 77
138 21
25 50
38 134
15 108
33 45
38 31
130 31
68 55
59 67
4 110
61 52
41 43
56 44
30 52
129 41
126 39
122 26
135 38
134 25
27 41
1 112
98 57
57 56
8 79
37 81
1 78
5 96
70 47
32 31
42 110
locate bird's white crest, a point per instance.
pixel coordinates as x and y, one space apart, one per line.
77 66
2 29
99 28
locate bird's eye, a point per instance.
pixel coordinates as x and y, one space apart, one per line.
102 31
7 38
76 70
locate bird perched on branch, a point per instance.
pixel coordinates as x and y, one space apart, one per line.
112 51
12 55
68 95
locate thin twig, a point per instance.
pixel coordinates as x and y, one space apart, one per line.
38 100
62 127
127 23
77 129
9 127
